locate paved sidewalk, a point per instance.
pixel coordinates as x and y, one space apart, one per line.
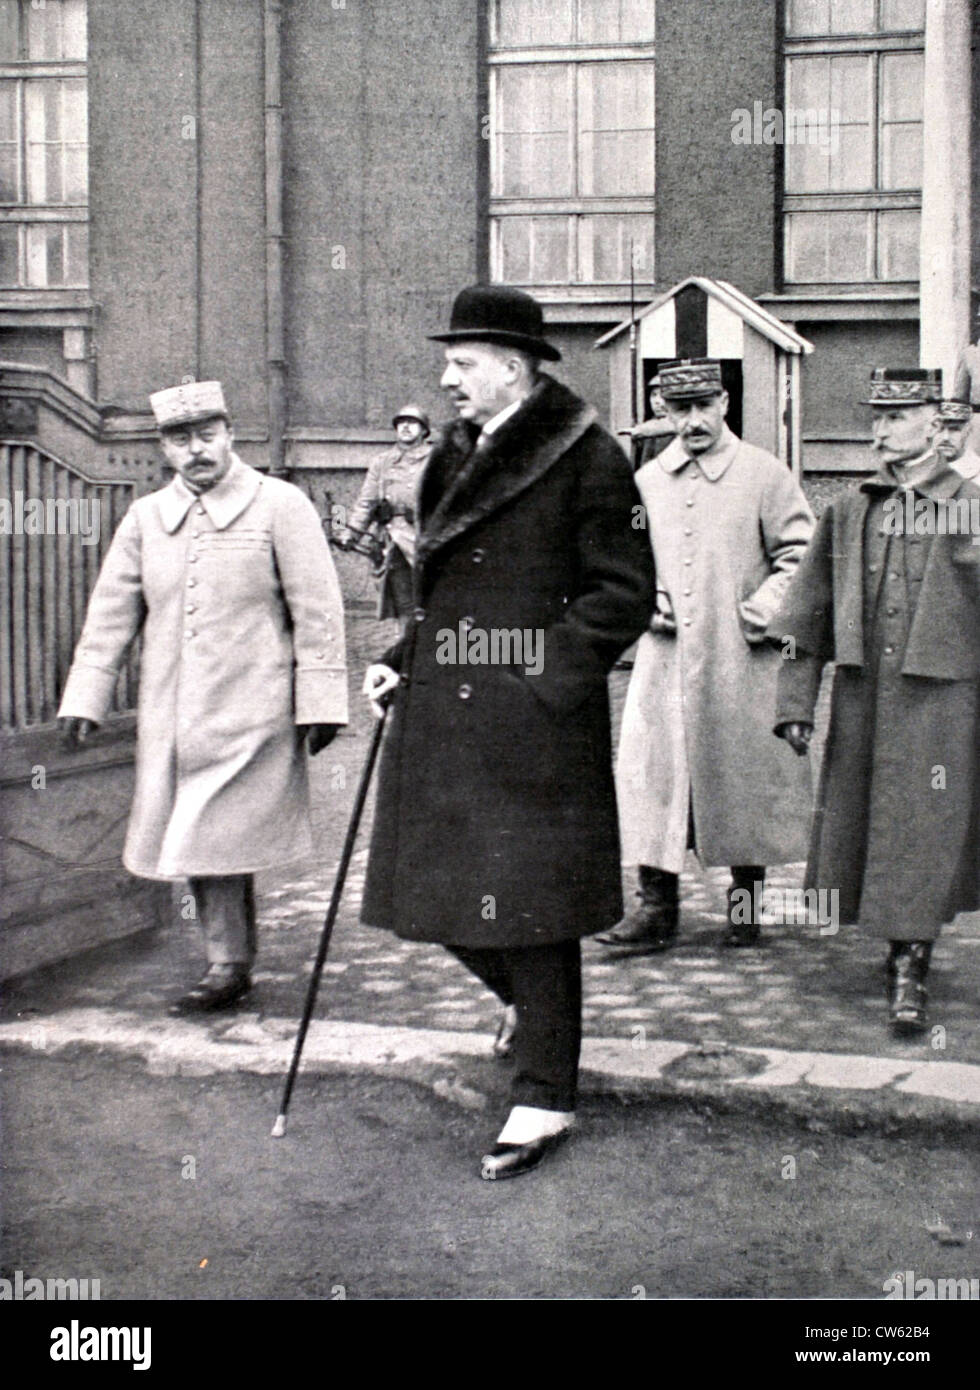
803 1012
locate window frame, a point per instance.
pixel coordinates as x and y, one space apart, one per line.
574 207
24 214
873 44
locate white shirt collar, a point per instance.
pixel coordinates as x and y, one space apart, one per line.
495 421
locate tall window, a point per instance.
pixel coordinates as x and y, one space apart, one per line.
43 144
853 189
572 141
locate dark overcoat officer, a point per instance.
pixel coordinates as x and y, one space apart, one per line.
889 591
496 832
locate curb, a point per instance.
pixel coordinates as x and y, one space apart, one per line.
839 1091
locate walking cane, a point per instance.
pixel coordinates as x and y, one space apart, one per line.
279 1128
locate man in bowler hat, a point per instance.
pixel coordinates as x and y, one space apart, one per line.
495 831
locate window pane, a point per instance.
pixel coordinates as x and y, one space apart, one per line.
74 35
45 255
805 17
42 112
9 48
535 21
44 31
604 248
901 156
616 142
898 245
74 109
76 251
9 256
828 247
534 250
808 17
851 89
903 14
902 80
534 151
616 21
852 16
9 144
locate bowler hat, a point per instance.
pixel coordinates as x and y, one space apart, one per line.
498 314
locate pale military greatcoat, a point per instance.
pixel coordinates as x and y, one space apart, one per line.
727 531
236 598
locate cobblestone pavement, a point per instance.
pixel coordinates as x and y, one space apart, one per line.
798 990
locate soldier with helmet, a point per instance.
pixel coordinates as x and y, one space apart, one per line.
385 509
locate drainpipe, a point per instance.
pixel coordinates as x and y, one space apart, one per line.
944 315
275 338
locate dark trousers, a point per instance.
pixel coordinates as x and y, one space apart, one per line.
544 983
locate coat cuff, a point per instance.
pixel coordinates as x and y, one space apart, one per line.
321 695
88 693
797 689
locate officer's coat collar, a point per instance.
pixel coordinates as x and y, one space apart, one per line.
223 503
716 461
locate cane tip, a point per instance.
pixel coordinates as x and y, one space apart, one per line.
279 1128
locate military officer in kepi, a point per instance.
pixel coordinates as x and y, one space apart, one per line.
727 523
495 829
950 437
226 575
889 591
385 508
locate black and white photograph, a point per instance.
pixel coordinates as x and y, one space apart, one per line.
489 669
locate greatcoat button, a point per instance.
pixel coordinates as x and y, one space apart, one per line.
690 501
478 556
465 691
191 608
192 559
419 615
889 651
468 622
687 622
191 583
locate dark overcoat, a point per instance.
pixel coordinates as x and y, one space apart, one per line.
896 825
496 815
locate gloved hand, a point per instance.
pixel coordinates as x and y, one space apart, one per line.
797 735
74 732
319 736
382 511
380 682
342 542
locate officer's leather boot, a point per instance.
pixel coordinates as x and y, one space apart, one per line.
743 928
652 925
905 971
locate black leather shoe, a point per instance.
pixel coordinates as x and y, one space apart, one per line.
644 932
906 971
221 987
740 933
503 1043
511 1160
